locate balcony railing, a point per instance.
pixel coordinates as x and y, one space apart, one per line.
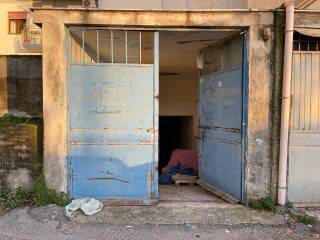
31 38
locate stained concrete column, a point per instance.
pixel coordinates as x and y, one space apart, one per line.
54 104
258 175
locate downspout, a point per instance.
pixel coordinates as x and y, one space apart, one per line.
286 102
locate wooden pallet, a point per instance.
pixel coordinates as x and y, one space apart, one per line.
184 179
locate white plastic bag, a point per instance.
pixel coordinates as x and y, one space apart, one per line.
89 206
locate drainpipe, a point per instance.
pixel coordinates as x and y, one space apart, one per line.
286 97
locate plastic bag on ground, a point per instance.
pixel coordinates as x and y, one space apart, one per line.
89 206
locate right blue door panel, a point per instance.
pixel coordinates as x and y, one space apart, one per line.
220 130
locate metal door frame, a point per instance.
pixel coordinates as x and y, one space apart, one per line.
156 30
154 172
244 129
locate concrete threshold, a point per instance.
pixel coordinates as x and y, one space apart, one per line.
180 213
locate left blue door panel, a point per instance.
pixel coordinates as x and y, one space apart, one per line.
111 131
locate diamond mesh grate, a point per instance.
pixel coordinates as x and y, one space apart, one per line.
119 47
105 54
90 46
133 47
106 46
76 46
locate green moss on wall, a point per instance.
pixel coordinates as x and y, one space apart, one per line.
44 196
265 203
9 119
37 153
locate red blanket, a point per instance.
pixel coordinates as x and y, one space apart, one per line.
183 159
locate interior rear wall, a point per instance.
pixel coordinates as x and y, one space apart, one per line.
178 97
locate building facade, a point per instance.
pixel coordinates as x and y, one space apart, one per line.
205 75
123 130
20 57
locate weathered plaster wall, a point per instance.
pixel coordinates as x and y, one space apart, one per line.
153 18
306 20
55 81
259 115
20 155
54 104
269 4
21 85
24 76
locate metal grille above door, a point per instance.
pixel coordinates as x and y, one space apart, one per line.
110 46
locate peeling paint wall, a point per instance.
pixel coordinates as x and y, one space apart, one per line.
20 155
258 172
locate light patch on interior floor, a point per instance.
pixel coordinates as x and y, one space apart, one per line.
20 177
186 194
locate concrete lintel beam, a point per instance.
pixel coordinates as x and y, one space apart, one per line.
155 18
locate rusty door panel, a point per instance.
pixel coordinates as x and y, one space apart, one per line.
111 134
220 130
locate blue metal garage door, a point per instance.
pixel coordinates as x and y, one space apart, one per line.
112 151
221 119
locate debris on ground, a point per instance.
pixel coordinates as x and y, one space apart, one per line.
89 206
188 226
49 222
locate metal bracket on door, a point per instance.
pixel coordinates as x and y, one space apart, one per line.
202 134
